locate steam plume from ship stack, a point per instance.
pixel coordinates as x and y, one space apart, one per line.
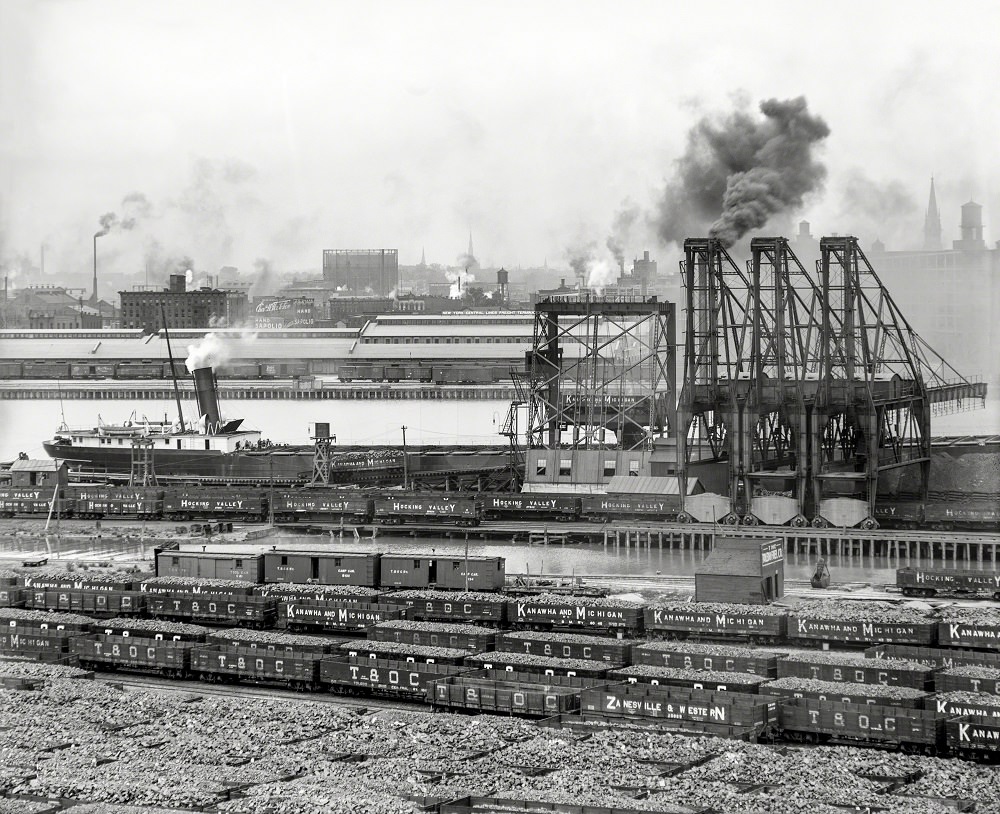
210 353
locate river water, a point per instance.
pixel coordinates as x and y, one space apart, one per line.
25 424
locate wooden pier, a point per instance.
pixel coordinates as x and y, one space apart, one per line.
950 548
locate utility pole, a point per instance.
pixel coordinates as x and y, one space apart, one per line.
270 496
406 469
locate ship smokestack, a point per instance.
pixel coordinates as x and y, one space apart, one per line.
208 398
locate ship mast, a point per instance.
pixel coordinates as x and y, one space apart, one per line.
173 373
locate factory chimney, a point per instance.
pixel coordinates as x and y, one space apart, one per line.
208 399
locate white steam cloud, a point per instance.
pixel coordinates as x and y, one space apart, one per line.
215 349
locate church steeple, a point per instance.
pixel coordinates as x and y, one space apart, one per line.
470 256
423 258
932 224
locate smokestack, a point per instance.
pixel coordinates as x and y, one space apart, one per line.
208 398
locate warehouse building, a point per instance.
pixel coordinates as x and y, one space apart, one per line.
202 308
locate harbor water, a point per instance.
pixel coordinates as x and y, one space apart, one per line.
25 424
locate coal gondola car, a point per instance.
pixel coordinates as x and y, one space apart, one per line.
395 510
324 505
96 502
249 505
33 500
931 581
530 507
602 508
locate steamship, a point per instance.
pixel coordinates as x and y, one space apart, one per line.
214 450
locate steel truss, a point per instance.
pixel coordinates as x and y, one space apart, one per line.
819 388
600 365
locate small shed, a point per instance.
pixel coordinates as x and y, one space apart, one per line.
27 472
741 570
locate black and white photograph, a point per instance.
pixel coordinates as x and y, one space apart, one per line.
441 407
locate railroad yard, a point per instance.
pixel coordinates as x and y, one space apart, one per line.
370 691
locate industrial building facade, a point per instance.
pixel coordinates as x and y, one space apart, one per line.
362 271
202 308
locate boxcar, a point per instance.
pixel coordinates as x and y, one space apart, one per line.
88 371
531 507
210 565
139 370
322 568
46 370
382 676
458 510
470 573
321 505
601 508
474 574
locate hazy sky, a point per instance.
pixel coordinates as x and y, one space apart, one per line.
276 129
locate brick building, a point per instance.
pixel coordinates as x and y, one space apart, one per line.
201 308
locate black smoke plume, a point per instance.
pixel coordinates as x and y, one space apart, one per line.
739 171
